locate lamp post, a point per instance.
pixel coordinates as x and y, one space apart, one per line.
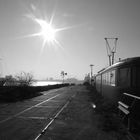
91 66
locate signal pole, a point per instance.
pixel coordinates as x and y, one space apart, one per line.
63 75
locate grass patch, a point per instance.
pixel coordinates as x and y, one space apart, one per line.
108 112
17 93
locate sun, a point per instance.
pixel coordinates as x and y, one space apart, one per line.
47 31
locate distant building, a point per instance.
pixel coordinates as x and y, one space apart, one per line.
2 81
10 81
51 79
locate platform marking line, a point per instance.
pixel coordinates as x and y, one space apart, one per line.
54 90
28 109
52 120
34 118
43 131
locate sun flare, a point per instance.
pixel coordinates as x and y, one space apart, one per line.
47 32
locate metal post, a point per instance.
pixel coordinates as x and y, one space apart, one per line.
91 65
109 56
63 75
113 57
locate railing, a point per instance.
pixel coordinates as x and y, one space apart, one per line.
133 96
123 107
125 110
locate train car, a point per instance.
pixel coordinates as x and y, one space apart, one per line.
121 77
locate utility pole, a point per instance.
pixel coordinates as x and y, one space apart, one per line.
111 50
91 66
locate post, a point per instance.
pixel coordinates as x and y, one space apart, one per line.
109 56
113 57
63 75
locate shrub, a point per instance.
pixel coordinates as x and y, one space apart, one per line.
24 79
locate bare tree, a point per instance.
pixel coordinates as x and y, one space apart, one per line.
24 79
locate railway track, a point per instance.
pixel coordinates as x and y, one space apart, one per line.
45 118
52 106
31 107
11 117
51 121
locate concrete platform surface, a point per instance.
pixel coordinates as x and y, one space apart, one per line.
80 121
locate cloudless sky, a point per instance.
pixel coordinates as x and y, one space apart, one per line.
82 43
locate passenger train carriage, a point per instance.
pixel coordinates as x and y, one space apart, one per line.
121 84
121 77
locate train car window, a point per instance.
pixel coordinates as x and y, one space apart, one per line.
98 79
134 81
138 76
112 78
124 77
108 78
104 79
98 83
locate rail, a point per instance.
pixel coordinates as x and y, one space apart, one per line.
133 96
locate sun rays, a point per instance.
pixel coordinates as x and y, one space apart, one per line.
47 31
45 27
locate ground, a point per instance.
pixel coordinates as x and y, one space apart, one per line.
69 113
82 121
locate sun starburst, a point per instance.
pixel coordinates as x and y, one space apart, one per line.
47 31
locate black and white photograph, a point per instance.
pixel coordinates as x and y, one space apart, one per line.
69 70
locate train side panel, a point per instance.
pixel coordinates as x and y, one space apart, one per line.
115 80
109 85
121 82
98 83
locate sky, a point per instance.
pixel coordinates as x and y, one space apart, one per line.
81 27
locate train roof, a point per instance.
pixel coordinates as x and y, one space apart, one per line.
127 61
